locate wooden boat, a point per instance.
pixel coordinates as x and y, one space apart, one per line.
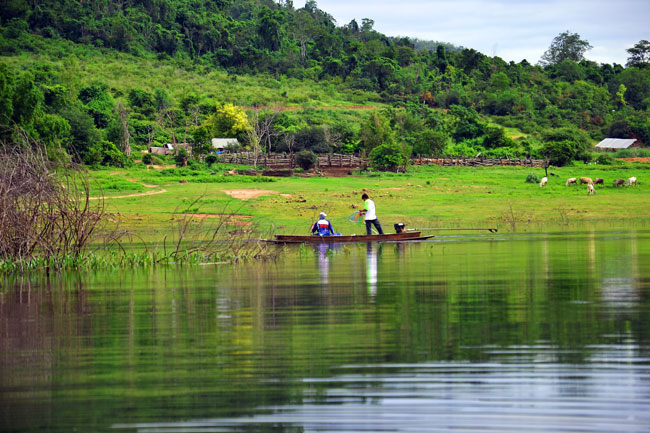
312 239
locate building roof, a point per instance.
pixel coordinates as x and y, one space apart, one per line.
616 143
222 143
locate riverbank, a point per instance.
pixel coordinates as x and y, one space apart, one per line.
429 196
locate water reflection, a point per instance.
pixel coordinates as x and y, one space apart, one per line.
323 254
465 333
372 252
514 393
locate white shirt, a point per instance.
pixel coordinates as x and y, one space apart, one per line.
370 210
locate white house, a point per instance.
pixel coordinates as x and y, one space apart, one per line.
615 143
165 149
221 144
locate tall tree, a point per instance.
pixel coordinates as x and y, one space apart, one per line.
639 53
565 46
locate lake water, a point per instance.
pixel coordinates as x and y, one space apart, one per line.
536 333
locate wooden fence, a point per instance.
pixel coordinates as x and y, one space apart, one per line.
278 161
289 161
478 162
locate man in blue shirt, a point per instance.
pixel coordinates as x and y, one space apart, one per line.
322 227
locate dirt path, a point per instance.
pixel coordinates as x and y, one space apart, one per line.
136 194
245 194
638 159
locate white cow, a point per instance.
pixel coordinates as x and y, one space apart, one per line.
543 182
631 181
590 189
571 180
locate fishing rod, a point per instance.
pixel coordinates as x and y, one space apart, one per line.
491 230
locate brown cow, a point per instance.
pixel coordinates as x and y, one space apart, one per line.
586 180
619 182
599 180
571 180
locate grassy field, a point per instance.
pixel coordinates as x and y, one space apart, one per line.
148 201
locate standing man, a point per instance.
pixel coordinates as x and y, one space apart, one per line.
369 215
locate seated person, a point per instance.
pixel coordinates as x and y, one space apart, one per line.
322 227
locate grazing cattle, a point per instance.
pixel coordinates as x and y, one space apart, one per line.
571 180
630 181
543 182
619 182
586 180
590 189
599 181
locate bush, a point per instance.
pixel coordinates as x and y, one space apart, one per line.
605 159
105 153
388 157
147 159
563 145
158 160
211 159
306 159
532 178
181 158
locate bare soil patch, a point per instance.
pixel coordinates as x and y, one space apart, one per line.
639 159
245 194
337 171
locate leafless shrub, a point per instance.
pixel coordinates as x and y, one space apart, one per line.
45 211
512 216
204 239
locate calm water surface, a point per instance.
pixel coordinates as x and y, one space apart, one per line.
537 333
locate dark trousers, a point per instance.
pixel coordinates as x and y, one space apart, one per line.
369 224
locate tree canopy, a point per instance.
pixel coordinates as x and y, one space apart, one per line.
565 46
431 98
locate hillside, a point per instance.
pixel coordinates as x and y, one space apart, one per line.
103 79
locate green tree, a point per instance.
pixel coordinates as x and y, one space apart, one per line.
312 138
375 131
637 87
83 133
563 145
430 142
388 157
306 159
98 102
105 153
201 142
639 54
495 137
565 46
181 157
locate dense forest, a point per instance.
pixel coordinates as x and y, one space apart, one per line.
430 98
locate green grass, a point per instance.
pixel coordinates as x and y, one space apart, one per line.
423 197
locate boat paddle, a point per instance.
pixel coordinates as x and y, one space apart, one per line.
491 230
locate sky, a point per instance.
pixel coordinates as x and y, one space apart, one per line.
511 29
